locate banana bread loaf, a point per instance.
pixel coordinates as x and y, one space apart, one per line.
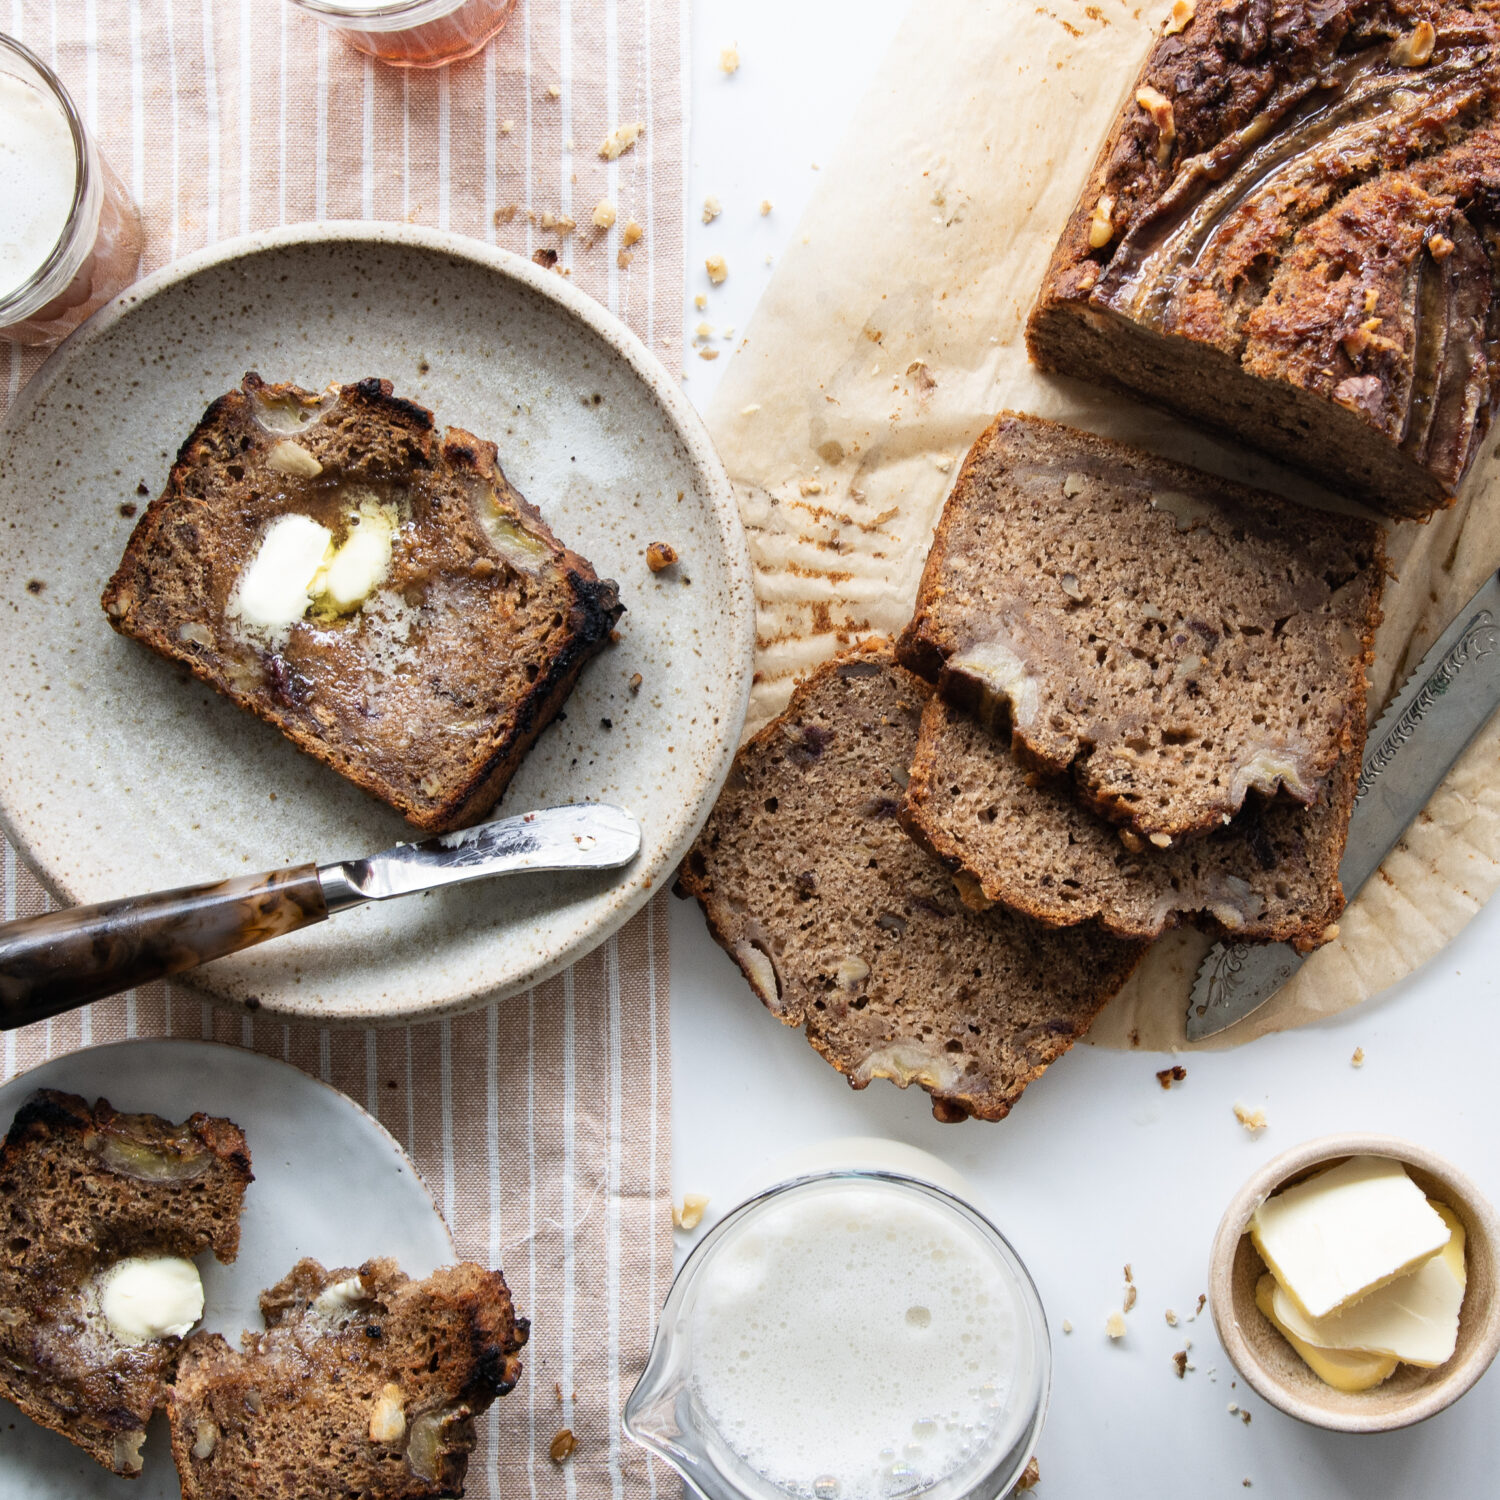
843 925
1291 235
83 1189
1175 639
377 592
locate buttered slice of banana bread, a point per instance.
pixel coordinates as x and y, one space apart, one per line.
95 1208
1174 640
1290 235
364 1383
845 926
1012 836
372 587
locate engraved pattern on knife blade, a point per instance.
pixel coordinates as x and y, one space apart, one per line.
1479 639
1226 974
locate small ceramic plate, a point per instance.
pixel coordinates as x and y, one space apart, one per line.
122 774
329 1182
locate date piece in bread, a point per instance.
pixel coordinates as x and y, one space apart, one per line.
1271 875
81 1188
428 689
1176 640
844 925
364 1383
1291 235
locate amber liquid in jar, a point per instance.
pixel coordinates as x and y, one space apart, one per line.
415 33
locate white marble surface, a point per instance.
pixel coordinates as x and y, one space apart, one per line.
1097 1166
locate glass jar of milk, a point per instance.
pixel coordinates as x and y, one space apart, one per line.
70 238
413 33
855 1335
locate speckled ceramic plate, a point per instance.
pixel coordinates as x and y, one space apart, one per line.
329 1182
121 774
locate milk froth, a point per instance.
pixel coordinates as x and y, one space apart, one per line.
855 1342
38 178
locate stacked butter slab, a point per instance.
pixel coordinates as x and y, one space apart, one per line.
1151 690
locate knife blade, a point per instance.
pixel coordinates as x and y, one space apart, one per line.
64 959
1442 705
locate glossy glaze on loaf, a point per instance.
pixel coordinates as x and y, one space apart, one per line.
1291 235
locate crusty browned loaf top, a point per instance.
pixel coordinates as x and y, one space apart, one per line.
427 693
365 1383
844 925
1291 234
82 1187
1176 640
1271 875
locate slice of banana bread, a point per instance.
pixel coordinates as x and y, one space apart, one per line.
1290 235
81 1189
1175 639
1271 875
844 925
365 1383
377 592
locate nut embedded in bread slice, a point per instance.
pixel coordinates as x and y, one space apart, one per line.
364 1383
846 926
84 1189
377 591
1174 640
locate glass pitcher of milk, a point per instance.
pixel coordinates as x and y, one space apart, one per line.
852 1335
70 238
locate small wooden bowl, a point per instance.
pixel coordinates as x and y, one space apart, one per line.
1273 1368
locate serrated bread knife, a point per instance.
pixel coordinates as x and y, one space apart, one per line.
1443 704
65 959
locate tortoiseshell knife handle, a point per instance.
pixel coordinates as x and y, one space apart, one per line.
65 959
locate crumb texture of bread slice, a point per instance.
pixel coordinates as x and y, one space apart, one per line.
428 690
81 1188
1289 235
1271 875
364 1383
846 926
1175 640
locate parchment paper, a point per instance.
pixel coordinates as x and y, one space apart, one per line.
892 332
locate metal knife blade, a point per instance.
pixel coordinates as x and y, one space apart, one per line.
1442 705
582 836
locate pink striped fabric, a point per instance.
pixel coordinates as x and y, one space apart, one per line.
541 1124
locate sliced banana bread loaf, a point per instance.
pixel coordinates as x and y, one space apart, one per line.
1271 875
1175 639
84 1190
1290 234
365 1383
377 592
844 925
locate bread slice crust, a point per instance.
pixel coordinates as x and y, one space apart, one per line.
428 694
1173 640
81 1187
846 927
1287 236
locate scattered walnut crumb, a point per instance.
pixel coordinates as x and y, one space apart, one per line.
505 215
712 208
1244 1416
1130 1298
604 214
545 257
635 683
750 411
1234 1408
1129 1279
660 555
718 269
690 1215
1358 1060
554 91
1202 1300
708 354
810 487
620 140
1067 1327
623 259
729 59
1182 13
506 126
1168 1076
1031 1476
700 301
921 376
1101 225
557 1391
1245 1483
1171 1318
563 1444
1179 1361
1254 1120
1114 1325
765 207
633 233
703 331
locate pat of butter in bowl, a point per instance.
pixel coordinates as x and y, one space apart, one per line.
1365 1272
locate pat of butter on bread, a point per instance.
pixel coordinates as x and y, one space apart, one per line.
1346 1232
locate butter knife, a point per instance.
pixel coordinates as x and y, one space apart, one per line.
1415 743
66 958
